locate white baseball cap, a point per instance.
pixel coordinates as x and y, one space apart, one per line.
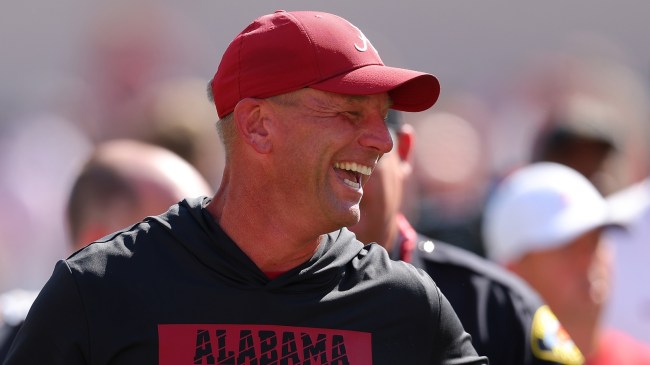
540 206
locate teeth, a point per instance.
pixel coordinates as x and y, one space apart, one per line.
353 184
353 166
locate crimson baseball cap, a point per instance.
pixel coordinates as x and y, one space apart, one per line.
286 51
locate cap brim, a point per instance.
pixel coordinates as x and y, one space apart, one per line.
410 91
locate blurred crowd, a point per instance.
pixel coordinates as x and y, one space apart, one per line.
134 79
584 108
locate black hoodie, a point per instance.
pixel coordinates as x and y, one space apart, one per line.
175 289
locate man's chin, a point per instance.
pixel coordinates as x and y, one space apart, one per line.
352 217
355 212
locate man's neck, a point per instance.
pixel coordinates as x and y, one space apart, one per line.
263 238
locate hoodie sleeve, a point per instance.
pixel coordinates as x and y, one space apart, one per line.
55 330
454 344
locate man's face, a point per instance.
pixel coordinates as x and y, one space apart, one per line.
573 279
382 199
327 145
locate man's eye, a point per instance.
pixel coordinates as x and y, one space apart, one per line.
351 115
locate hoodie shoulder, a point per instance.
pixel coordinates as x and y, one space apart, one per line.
373 266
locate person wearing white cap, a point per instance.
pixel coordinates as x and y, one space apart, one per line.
545 222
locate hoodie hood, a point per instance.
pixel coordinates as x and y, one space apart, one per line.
197 231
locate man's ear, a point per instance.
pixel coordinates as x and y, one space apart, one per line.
404 145
252 124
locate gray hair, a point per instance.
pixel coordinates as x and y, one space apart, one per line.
225 126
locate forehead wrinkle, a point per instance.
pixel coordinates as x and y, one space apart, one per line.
322 102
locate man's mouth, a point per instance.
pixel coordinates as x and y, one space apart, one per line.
351 173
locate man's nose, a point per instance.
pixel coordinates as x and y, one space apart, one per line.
377 136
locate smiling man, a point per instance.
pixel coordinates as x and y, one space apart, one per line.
264 272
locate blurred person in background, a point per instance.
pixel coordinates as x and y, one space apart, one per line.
179 117
629 307
583 133
588 81
451 172
508 321
93 89
125 181
544 222
122 182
